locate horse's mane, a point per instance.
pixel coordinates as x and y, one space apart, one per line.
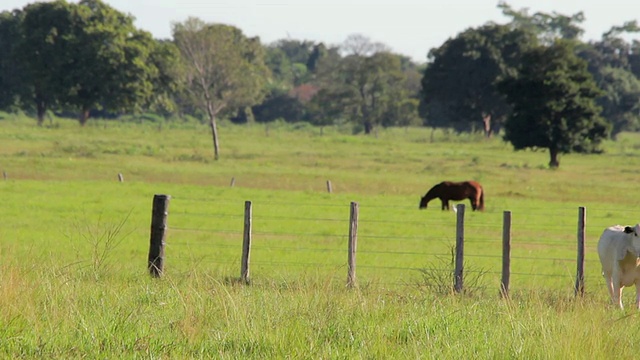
435 189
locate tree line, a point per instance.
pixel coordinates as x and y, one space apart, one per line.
531 79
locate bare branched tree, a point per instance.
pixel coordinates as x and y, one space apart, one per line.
221 69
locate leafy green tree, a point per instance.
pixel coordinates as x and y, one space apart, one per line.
327 106
111 67
301 57
375 82
279 105
629 27
46 53
281 68
165 57
221 69
85 56
612 50
620 101
459 82
12 73
553 99
611 63
368 80
319 51
634 58
295 50
293 66
547 27
403 112
413 75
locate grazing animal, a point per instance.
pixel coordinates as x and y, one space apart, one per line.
448 190
618 249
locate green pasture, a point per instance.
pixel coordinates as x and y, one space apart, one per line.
74 243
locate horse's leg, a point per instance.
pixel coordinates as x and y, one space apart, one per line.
474 204
445 204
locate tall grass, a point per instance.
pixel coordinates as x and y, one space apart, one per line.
74 241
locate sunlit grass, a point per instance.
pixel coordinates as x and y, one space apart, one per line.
66 293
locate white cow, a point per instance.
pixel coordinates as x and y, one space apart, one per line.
619 251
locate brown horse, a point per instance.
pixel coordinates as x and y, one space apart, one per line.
448 190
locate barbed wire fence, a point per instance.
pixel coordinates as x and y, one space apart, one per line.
332 236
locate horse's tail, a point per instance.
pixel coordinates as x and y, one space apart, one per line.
481 202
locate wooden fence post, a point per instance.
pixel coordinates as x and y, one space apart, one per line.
233 182
246 243
459 270
329 189
4 175
120 177
582 221
353 242
506 253
159 215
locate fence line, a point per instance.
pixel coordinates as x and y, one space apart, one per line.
556 243
209 215
271 217
310 249
159 225
262 246
523 224
567 247
544 211
387 267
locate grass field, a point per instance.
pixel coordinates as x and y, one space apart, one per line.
74 243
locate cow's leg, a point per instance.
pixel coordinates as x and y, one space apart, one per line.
617 294
609 282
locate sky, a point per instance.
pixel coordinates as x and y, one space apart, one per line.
408 27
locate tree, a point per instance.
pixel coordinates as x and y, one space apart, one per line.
611 63
327 106
12 72
319 51
548 27
295 50
300 58
165 58
279 105
372 83
221 69
620 101
553 99
459 82
368 80
111 65
281 69
45 52
86 56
